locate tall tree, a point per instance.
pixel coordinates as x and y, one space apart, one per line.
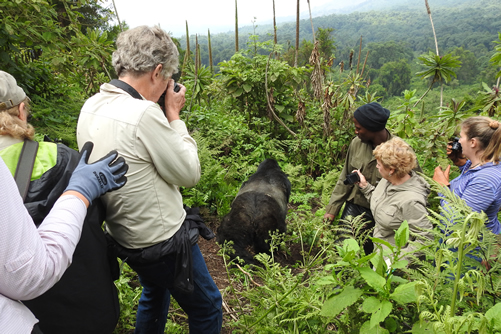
432 26
311 21
395 76
439 69
274 30
236 27
296 52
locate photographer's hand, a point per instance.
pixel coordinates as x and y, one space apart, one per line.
174 102
363 182
441 176
457 157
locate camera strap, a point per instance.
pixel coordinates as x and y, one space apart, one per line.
126 87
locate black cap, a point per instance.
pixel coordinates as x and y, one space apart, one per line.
372 116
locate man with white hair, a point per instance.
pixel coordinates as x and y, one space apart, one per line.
145 220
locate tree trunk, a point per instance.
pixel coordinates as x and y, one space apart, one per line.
415 104
311 20
274 30
118 18
236 27
441 94
297 35
432 26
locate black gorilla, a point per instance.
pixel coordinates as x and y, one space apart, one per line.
260 207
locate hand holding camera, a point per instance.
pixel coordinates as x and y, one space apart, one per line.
455 152
351 179
356 178
172 100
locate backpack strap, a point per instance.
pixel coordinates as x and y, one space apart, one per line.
25 165
126 87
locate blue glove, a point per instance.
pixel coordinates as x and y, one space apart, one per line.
96 179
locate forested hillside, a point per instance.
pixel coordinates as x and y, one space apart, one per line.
472 25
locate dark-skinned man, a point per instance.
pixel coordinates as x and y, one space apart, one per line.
370 128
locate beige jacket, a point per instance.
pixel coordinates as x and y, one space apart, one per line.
161 157
391 205
359 156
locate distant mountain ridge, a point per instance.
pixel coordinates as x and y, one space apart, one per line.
344 7
471 24
339 7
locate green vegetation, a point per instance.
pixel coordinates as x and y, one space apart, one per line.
258 106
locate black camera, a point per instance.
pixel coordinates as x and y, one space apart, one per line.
352 178
161 100
455 145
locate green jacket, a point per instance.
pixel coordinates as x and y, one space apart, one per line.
359 156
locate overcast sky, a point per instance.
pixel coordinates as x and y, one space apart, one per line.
218 15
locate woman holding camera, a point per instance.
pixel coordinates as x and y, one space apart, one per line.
479 184
400 195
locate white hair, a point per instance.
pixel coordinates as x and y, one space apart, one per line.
141 49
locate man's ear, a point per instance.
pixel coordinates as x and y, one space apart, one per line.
157 72
23 113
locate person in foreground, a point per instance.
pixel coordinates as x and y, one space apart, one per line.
479 184
145 220
85 299
32 260
401 194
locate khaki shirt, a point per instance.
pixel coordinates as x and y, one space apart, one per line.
359 156
161 155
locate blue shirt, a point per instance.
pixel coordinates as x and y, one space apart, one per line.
480 188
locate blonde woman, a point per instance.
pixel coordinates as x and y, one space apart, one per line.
400 195
89 279
479 184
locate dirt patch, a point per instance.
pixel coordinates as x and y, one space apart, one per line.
217 269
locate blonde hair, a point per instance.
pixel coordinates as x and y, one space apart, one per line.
11 125
396 154
488 133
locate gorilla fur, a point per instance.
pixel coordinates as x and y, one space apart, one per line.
259 207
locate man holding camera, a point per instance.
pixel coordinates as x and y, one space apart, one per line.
370 128
145 221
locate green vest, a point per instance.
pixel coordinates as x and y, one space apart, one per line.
46 158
